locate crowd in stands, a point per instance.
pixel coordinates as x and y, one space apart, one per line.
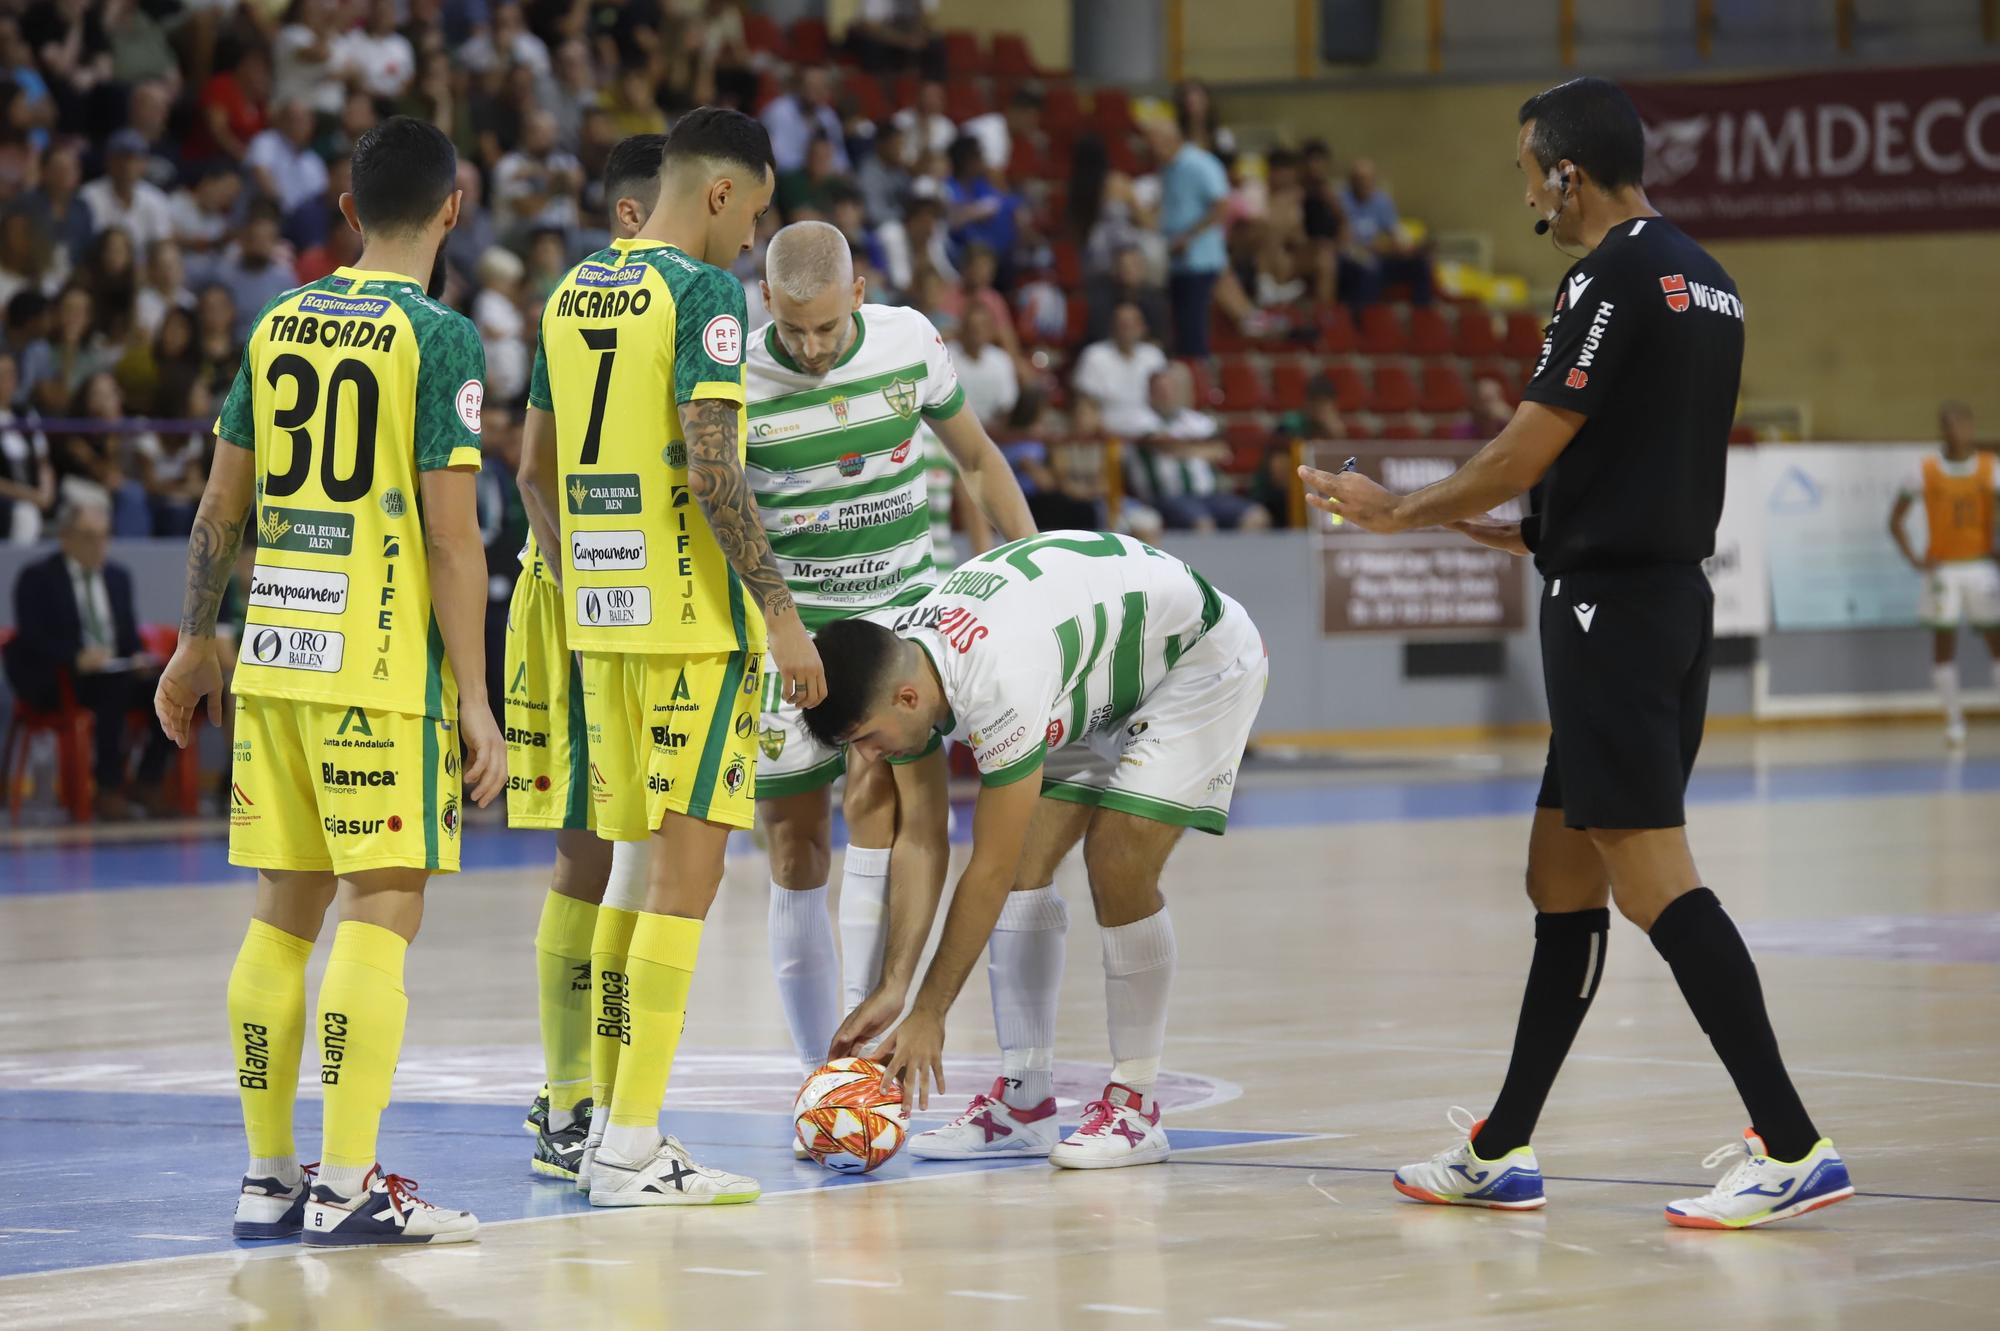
167 166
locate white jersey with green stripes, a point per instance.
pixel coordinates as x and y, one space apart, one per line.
839 479
1054 639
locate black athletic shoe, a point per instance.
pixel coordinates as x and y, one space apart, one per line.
538 1114
557 1154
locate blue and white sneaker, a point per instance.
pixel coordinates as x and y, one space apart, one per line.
388 1212
1759 1189
1459 1177
267 1209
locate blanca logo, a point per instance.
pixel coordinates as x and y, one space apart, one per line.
615 606
471 397
722 339
607 549
296 649
1584 614
299 589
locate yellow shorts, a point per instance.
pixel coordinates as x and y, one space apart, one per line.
317 786
548 773
670 734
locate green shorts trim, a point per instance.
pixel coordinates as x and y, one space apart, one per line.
817 777
1212 821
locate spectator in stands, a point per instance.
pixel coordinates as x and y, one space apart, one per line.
576 87
148 113
1490 411
915 245
979 286
1082 463
203 214
507 41
26 263
377 57
496 311
56 207
536 185
124 198
894 36
1105 215
67 38
1194 112
475 233
1026 440
176 364
925 126
287 171
1320 418
111 273
1320 217
802 193
91 462
1116 374
255 273
1172 466
232 109
793 119
163 287
27 475
80 348
34 107
985 370
1380 254
140 50
304 57
1276 477
87 631
884 175
1130 281
1194 193
217 348
172 466
846 210
998 131
29 319
982 210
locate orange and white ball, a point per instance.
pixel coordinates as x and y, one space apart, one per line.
847 1118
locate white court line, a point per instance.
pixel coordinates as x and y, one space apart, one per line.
25 1229
593 1261
178 1238
1121 1309
1247 1323
855 1283
991 1295
691 1270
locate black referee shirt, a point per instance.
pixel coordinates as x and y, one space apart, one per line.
1647 342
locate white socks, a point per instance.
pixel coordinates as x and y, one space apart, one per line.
864 922
345 1181
1945 677
284 1168
1024 968
808 971
630 1145
1138 971
626 888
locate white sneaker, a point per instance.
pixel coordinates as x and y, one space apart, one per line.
1459 1177
991 1127
669 1178
588 1158
267 1209
1118 1130
1759 1189
388 1211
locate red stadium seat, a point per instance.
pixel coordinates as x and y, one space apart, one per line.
1395 390
903 92
1224 337
1247 440
1337 335
1242 386
1028 161
1288 385
1124 155
1010 58
865 90
1350 386
964 99
1111 111
1062 110
1502 373
1382 332
1524 336
1401 427
808 44
1202 384
1430 331
1476 337
1069 266
962 58
1444 390
762 33
1742 434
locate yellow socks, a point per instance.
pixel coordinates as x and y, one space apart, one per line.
610 993
267 1026
360 1014
661 966
562 969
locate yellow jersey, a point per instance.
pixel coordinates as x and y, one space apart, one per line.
350 389
626 337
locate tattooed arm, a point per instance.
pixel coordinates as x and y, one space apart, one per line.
194 673
715 475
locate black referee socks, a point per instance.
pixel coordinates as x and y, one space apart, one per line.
1719 980
1562 979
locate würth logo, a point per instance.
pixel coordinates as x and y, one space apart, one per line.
1676 288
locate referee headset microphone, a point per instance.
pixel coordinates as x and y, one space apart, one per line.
1557 181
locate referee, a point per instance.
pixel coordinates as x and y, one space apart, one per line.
1622 431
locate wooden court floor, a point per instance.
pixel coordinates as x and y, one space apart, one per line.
1351 958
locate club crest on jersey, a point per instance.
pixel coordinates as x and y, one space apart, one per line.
735 777
772 741
839 406
1676 289
448 819
393 503
901 395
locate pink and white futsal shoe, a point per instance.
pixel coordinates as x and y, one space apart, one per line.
1118 1130
991 1129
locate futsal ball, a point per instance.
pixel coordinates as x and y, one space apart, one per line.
847 1118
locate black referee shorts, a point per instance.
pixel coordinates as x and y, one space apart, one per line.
1625 658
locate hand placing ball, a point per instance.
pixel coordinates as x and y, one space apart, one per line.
848 1118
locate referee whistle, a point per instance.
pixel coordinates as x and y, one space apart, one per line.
1334 519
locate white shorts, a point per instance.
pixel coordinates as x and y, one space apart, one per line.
1175 759
1964 591
789 760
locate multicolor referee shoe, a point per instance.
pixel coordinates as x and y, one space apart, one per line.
1459 1177
1759 1190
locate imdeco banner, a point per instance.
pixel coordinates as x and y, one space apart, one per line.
1858 152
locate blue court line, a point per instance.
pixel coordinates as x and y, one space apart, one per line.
123 1166
204 860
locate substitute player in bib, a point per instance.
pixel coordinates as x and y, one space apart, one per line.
838 390
669 583
1107 692
354 424
548 786
1961 577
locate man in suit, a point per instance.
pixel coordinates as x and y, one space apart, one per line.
74 612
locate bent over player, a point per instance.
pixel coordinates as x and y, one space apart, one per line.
354 424
1107 692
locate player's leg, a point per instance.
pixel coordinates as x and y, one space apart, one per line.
610 1024
1943 607
700 775
1024 970
267 1026
869 805
803 959
562 976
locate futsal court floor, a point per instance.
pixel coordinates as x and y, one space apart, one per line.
1352 956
